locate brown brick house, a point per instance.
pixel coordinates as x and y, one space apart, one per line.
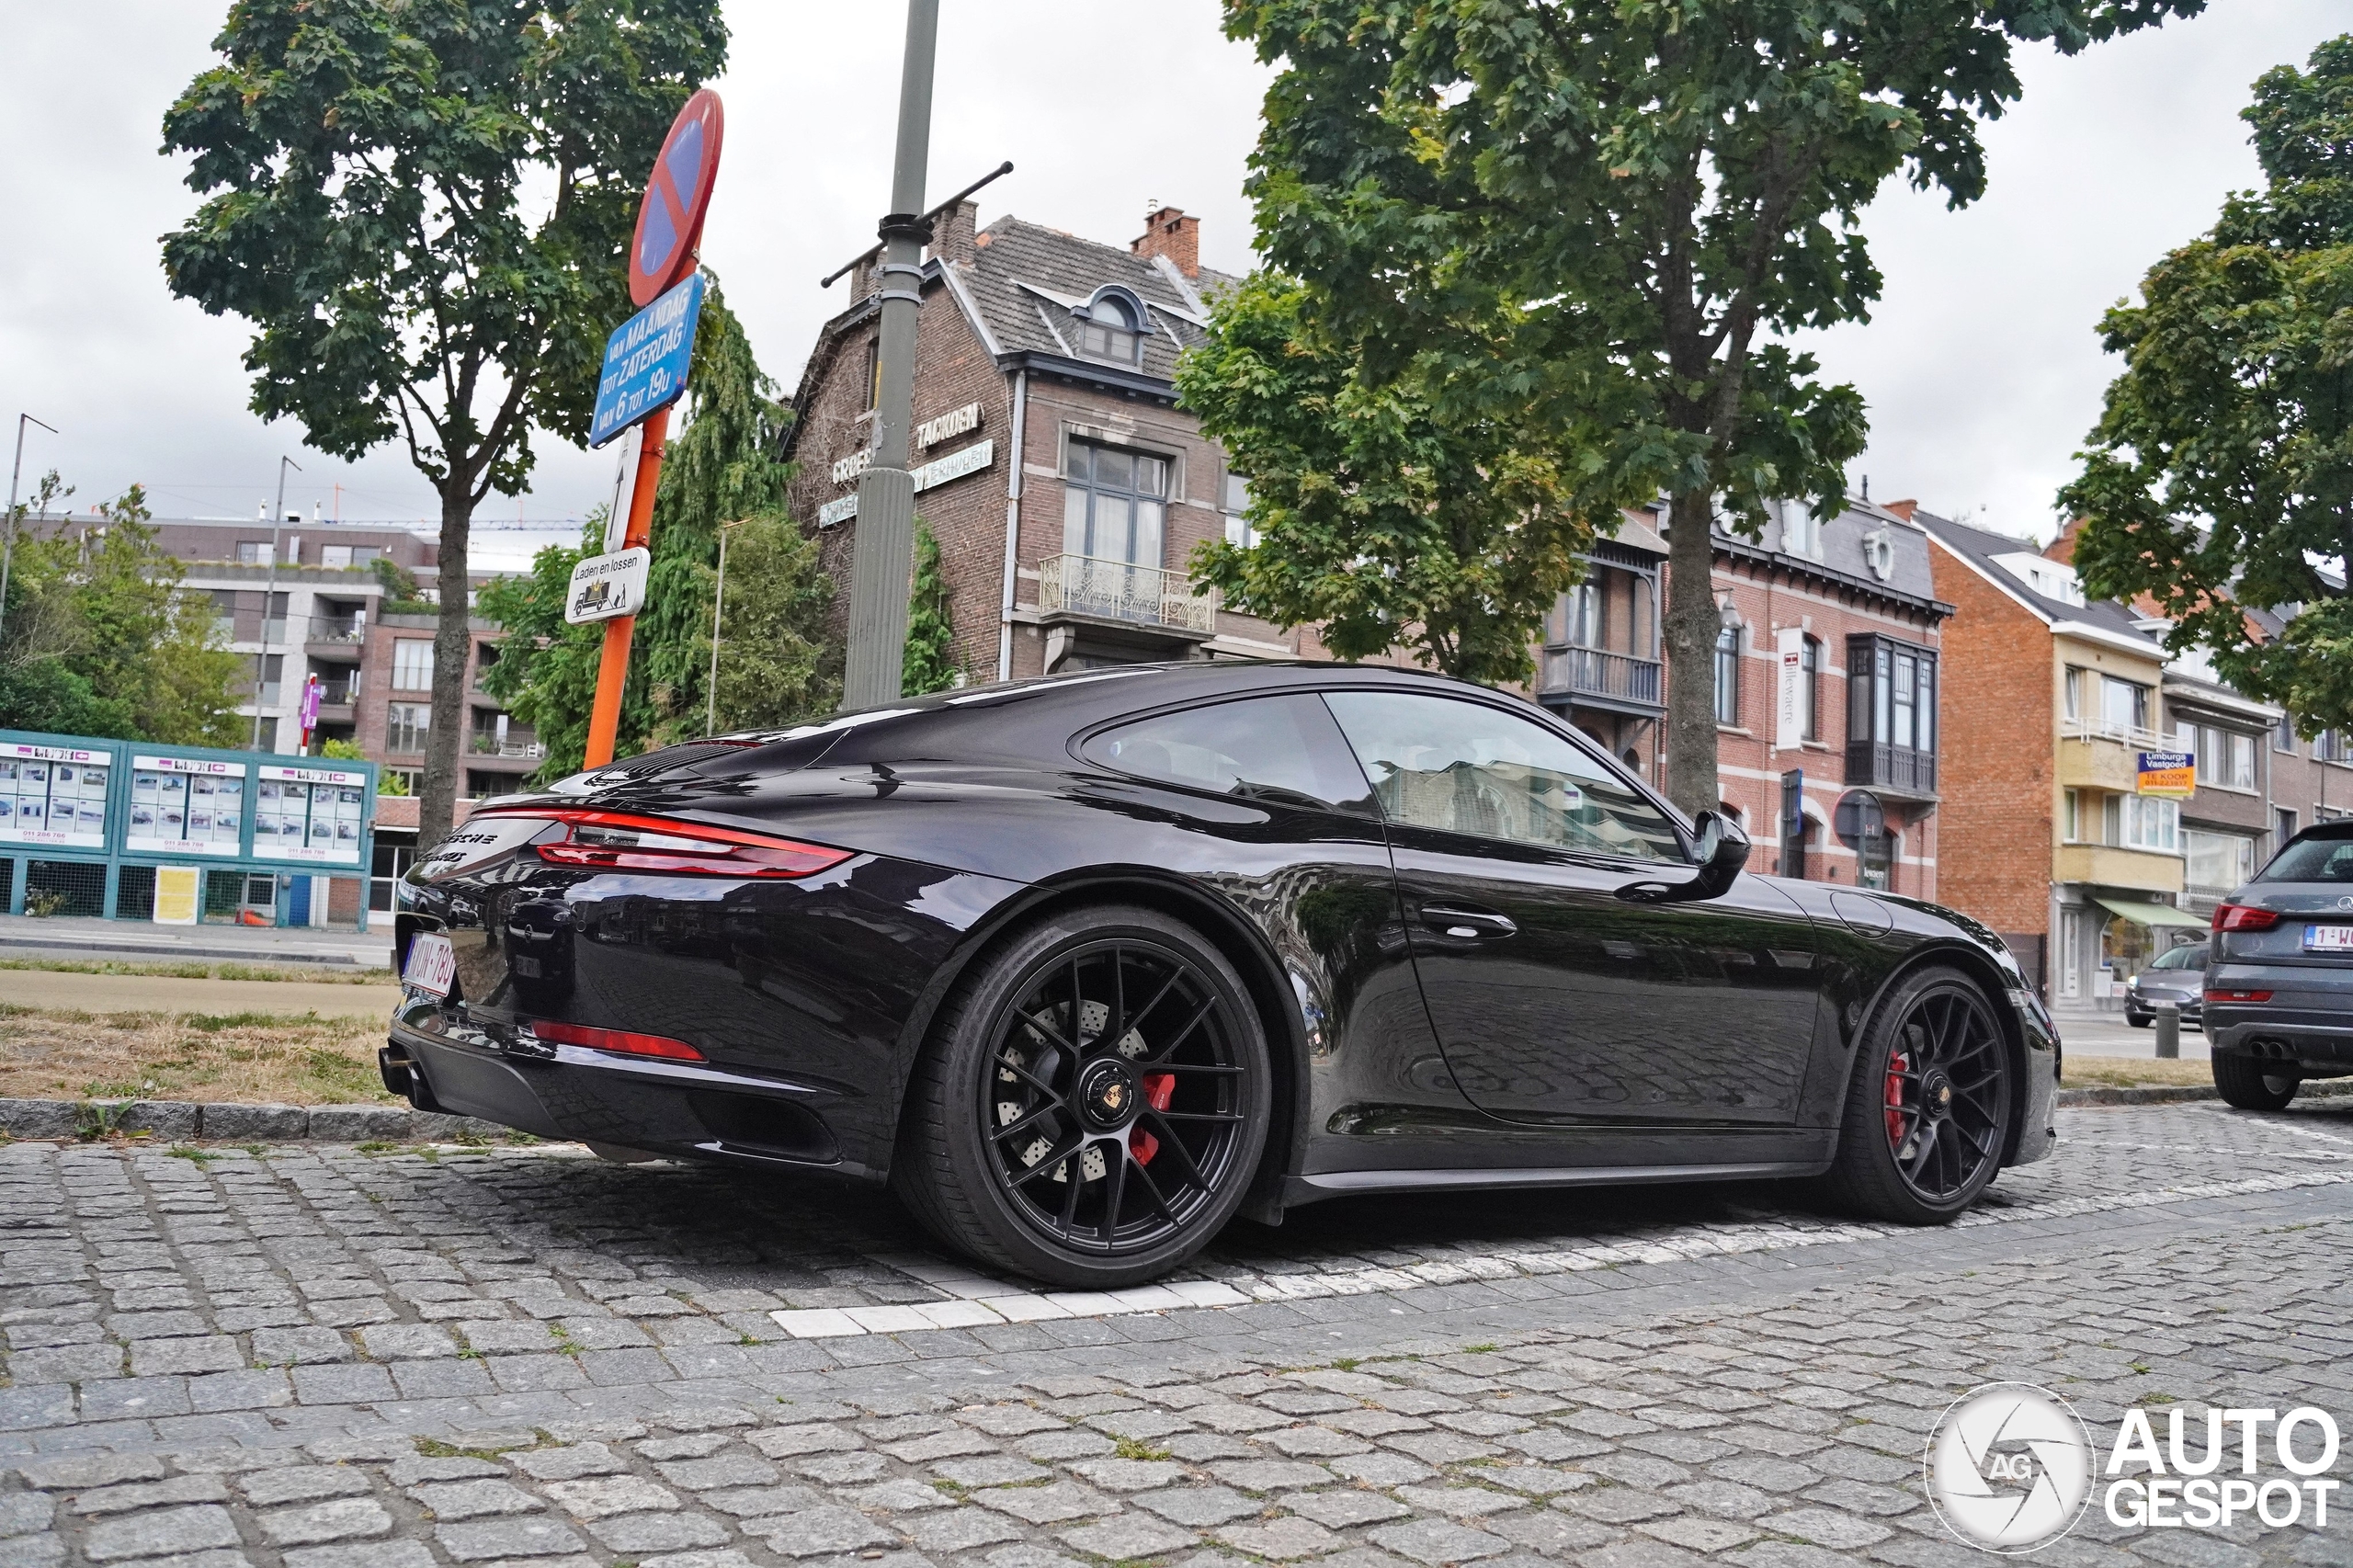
1066 489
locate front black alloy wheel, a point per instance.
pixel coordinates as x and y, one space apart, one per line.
1929 1106
1093 1104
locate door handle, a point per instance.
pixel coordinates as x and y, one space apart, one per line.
1467 923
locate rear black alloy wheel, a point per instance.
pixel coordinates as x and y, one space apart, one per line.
1094 1106
2242 1082
1929 1107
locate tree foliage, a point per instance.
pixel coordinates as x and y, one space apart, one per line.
424 209
2221 473
930 661
720 469
1384 510
1588 221
100 638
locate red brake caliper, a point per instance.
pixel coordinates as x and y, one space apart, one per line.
1897 1066
1159 1088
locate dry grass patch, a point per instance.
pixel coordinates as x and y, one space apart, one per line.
54 1054
321 974
2132 1073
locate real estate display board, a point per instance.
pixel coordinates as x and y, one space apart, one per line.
184 805
315 815
53 795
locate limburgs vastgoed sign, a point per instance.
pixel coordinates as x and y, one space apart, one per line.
2170 774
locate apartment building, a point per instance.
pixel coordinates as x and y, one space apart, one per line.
1066 489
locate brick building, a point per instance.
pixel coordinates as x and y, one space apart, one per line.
1826 683
1066 489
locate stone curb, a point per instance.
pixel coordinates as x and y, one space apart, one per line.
2172 1093
180 1121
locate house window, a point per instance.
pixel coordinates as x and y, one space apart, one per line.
1809 685
411 665
1115 503
2123 706
406 724
2076 692
1728 675
2283 737
2074 819
1801 529
1891 693
1233 500
2219 863
1581 616
1108 330
2283 826
253 552
872 380
2332 745
2148 823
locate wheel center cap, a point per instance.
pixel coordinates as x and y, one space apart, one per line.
1108 1093
1936 1094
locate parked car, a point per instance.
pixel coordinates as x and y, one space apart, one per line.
2279 985
2179 976
1084 966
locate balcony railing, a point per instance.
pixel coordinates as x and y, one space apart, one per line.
337 629
2103 730
1873 765
1086 585
1597 671
491 746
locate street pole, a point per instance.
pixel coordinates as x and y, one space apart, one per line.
8 545
612 669
269 592
882 559
718 599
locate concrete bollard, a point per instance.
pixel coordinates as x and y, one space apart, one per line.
2168 1030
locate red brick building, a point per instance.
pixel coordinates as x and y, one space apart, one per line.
1066 489
1827 684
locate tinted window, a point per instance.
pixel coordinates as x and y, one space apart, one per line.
1465 767
1270 748
2312 860
2192 957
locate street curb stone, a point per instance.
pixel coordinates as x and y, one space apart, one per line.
184 1120
2167 1094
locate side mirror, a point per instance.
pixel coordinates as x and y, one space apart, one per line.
1722 849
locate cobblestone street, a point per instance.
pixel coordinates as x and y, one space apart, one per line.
331 1358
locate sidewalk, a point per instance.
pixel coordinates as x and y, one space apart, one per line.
22 936
2085 1032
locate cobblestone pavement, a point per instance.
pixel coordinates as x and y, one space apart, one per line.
332 1358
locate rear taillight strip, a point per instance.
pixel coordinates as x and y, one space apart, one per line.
708 850
2244 917
2238 995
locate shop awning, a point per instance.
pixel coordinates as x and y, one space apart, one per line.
2148 912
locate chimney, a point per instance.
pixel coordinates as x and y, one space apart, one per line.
951 235
1171 234
2062 548
1903 509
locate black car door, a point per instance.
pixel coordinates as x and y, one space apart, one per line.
1554 997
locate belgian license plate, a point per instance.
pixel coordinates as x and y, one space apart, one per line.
432 965
2328 939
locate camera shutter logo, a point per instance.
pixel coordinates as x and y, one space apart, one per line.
2009 1468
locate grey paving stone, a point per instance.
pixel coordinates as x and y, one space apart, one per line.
314 1524
959 1529
820 1532
491 1539
568 1463
78 1470
1343 1507
137 1494
1433 1542
473 1499
1202 1507
302 1483
1281 1539
1127 1537
162 1531
658 1532
596 1497
408 1341
375 1554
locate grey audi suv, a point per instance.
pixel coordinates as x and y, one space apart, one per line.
2278 987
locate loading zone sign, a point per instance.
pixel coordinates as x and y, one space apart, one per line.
606 585
646 360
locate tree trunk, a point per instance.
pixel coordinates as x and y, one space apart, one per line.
1690 627
443 754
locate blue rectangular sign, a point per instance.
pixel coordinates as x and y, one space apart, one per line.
645 361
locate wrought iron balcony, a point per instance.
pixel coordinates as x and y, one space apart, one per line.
1086 584
1897 769
1617 680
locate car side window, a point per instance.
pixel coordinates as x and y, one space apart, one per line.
1465 767
1283 750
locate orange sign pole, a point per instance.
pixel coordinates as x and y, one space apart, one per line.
612 670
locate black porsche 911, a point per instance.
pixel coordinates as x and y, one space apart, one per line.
1083 967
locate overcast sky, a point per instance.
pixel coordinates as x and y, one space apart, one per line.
1982 367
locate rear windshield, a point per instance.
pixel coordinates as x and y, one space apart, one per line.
2311 861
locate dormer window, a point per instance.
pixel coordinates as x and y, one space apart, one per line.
1109 328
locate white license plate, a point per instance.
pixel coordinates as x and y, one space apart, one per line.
432 965
2328 939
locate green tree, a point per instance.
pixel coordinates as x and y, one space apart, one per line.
2221 468
930 662
1590 219
424 209
721 468
1385 512
100 638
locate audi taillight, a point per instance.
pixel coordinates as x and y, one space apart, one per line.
2212 996
623 841
622 1042
2244 917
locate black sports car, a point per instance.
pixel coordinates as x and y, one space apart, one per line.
1086 966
